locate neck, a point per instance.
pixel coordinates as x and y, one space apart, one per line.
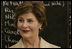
31 42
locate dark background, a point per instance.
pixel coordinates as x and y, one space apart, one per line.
56 32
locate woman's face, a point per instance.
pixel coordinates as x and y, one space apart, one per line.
28 25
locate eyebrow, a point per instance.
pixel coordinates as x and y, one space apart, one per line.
28 18
20 17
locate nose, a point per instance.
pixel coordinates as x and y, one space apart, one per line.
25 25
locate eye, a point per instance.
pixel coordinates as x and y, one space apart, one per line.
30 20
21 20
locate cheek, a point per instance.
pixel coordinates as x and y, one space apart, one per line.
34 26
19 25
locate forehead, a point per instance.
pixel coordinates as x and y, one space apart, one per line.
27 15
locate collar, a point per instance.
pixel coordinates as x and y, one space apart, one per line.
43 44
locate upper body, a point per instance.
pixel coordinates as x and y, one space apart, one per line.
43 44
30 20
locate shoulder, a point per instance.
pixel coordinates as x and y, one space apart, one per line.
18 45
45 44
13 46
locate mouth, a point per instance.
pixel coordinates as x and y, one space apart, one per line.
25 31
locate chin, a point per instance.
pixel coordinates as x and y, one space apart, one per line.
26 36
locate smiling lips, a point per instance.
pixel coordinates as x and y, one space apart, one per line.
25 31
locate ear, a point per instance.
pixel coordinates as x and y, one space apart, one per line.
40 24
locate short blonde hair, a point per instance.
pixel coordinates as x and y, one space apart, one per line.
36 7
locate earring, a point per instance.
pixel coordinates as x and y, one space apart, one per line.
40 28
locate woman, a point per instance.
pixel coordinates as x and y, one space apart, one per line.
30 20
